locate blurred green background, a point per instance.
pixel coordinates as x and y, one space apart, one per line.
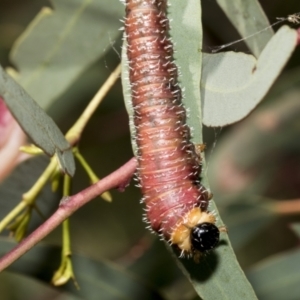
251 165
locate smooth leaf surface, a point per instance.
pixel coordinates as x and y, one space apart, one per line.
186 32
20 287
20 181
97 279
233 84
127 96
245 218
60 43
249 18
277 278
296 228
159 267
247 164
36 123
218 275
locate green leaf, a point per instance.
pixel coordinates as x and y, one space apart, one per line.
249 18
278 277
218 273
20 287
97 279
186 32
127 96
36 123
60 43
296 228
21 180
218 276
160 269
246 217
233 84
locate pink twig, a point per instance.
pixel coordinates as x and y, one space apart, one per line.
287 207
298 37
67 208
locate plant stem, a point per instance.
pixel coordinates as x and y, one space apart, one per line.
67 208
30 196
73 135
287 207
93 177
65 271
66 251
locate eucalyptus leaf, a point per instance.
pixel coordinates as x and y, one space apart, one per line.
278 277
245 218
20 287
296 228
218 276
19 181
233 84
36 123
97 279
127 95
186 32
60 43
249 19
161 271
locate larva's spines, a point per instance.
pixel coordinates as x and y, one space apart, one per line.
169 168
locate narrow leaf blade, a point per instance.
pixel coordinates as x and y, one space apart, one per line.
60 43
36 123
233 84
19 287
269 282
218 275
249 18
98 279
245 217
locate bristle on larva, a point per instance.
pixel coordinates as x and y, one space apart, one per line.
169 167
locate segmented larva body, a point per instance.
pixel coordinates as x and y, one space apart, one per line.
169 167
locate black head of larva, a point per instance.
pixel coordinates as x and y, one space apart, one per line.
205 236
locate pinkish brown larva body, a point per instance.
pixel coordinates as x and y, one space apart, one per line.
169 168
